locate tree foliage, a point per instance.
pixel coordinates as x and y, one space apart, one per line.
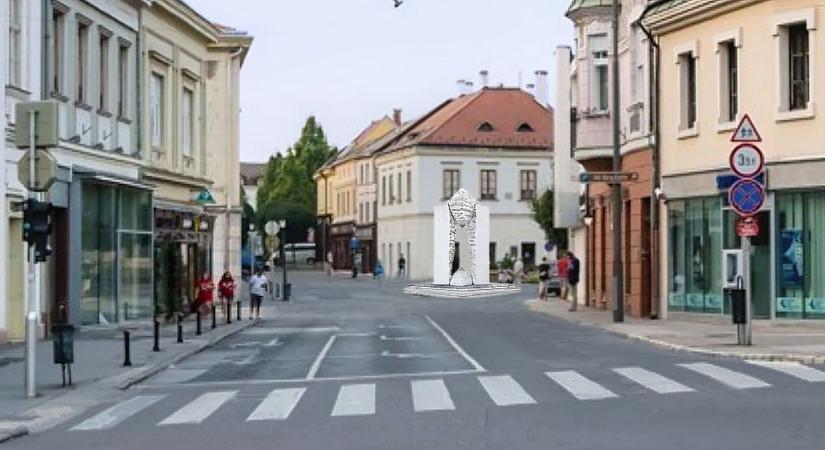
543 215
288 190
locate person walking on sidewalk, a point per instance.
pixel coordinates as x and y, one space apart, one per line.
573 271
226 289
257 291
328 264
518 271
562 267
402 266
205 293
544 278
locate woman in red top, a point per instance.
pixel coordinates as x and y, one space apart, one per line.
206 289
226 289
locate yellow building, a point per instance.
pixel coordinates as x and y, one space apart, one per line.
720 60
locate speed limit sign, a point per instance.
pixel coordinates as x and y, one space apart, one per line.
747 161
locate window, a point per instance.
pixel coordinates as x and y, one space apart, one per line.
384 190
58 21
83 60
637 56
525 128
799 88
400 196
409 186
528 184
687 72
103 73
801 279
488 184
729 81
123 80
450 183
15 43
186 133
392 191
599 73
156 110
492 253
486 127
367 212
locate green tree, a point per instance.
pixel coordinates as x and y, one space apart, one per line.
543 215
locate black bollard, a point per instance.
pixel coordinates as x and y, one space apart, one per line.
180 328
156 347
127 360
228 312
214 319
198 325
239 310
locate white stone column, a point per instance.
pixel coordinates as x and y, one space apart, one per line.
482 250
441 245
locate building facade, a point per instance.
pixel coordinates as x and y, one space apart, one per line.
252 174
704 47
588 135
497 144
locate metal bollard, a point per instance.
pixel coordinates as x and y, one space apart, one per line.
127 354
214 318
156 347
228 312
180 328
239 310
198 323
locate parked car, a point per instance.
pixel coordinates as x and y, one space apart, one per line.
298 253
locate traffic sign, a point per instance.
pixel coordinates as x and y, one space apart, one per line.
45 171
747 160
747 226
746 131
608 177
272 228
746 197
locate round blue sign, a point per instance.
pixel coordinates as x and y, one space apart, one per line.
746 197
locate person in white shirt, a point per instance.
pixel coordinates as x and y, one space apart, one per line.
257 291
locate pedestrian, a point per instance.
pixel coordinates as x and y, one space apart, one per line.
544 278
205 293
562 265
226 289
257 291
378 271
402 266
573 279
518 271
328 264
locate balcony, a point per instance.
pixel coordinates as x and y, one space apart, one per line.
592 135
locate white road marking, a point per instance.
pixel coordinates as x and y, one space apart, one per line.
431 395
736 380
313 370
246 344
407 355
505 391
794 369
355 334
273 343
199 409
653 381
118 413
384 337
581 387
355 400
277 330
452 342
278 405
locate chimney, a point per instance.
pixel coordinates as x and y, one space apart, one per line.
531 88
461 86
469 85
542 94
485 78
396 116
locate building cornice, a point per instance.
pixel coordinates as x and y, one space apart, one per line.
171 177
691 12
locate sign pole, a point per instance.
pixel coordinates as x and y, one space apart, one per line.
746 250
618 277
31 304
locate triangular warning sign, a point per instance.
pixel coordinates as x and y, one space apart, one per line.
746 131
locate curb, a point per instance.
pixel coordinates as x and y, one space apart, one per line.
804 359
8 434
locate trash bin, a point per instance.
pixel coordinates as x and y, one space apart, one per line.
738 303
63 341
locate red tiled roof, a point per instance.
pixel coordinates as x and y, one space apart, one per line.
457 121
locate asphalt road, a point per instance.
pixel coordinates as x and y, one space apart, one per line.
351 365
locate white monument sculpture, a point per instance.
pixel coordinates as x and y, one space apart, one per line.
462 211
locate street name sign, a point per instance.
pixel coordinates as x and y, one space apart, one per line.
747 160
746 131
608 177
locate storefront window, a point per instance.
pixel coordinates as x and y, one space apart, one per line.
800 255
694 249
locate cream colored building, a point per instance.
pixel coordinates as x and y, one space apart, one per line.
719 61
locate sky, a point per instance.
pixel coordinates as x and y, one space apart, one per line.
349 62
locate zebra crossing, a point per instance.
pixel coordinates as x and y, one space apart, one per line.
432 394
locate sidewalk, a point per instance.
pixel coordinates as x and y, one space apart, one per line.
707 335
98 372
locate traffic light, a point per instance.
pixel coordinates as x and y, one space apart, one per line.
37 227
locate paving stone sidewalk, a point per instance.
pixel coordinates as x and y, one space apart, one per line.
780 340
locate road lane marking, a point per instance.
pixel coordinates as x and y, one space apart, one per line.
277 330
118 413
581 387
505 391
794 369
199 409
278 405
355 400
384 337
457 348
431 395
653 381
736 380
313 370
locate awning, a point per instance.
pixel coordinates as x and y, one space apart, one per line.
179 207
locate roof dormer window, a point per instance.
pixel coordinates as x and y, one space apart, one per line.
485 127
525 128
